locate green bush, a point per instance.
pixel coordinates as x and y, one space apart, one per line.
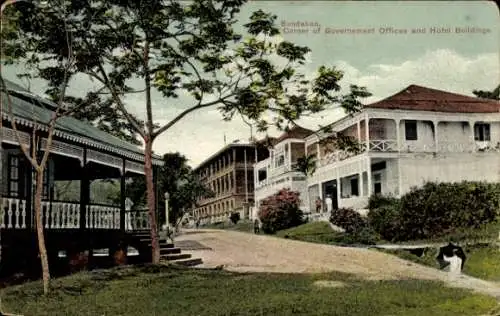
348 219
280 211
364 235
435 210
438 209
385 219
378 200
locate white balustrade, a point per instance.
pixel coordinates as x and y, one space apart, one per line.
103 217
66 215
12 213
137 220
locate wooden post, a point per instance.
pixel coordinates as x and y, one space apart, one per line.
29 195
84 191
122 197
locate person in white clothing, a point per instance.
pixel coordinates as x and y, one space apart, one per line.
329 203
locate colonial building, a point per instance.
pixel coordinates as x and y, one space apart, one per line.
279 170
229 174
417 135
79 152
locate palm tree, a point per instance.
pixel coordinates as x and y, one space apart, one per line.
306 165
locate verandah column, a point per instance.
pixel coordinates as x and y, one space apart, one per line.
122 197
84 191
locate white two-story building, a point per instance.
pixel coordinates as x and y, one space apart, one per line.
417 135
278 171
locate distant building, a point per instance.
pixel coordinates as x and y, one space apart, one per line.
229 174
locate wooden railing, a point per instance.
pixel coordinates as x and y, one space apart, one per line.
66 215
60 215
383 145
102 217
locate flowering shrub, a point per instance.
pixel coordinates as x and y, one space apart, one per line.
348 219
280 211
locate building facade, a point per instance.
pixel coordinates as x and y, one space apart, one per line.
279 171
417 135
229 174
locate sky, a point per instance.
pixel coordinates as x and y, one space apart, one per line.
456 49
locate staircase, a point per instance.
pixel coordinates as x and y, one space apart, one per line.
168 252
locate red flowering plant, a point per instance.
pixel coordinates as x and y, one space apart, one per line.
280 211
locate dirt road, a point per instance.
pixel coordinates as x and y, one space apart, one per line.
244 252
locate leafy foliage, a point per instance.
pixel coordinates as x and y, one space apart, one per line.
435 210
306 165
187 48
280 211
494 95
175 48
176 178
348 219
385 219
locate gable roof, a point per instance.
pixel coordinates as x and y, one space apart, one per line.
29 108
418 98
295 132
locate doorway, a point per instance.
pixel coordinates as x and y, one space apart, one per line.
330 188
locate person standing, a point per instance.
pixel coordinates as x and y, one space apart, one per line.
329 203
318 205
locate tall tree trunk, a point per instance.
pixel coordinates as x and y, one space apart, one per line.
42 250
148 169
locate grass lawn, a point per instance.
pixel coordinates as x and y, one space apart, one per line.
175 291
482 261
242 226
317 232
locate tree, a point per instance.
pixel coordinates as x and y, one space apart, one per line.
494 95
176 178
190 49
306 165
37 156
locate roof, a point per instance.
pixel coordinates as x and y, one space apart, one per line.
418 98
295 132
221 151
29 108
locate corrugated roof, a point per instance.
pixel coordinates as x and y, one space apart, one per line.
418 98
222 151
36 110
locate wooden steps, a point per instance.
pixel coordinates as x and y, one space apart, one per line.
168 252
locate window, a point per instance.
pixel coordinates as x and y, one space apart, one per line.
411 130
354 187
13 178
280 161
262 175
482 132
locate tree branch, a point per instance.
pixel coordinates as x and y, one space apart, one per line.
186 112
105 80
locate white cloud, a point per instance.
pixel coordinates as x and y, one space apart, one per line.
441 69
